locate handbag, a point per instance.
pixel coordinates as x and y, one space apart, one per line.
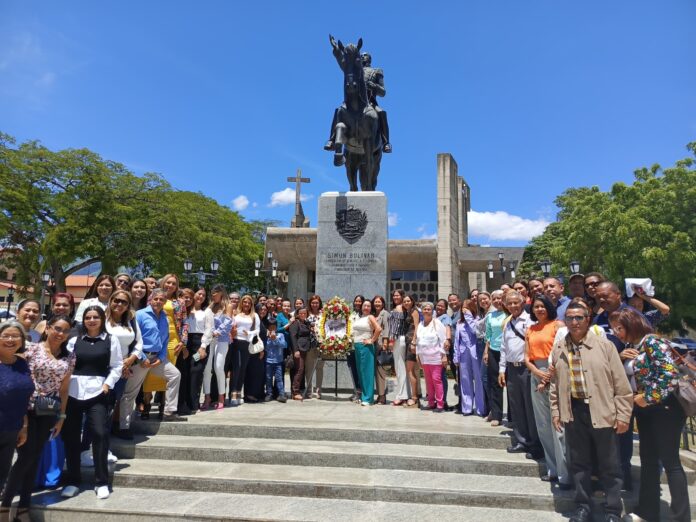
256 344
46 405
385 358
685 390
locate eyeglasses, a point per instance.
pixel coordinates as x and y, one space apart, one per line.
575 318
120 302
123 282
59 331
10 337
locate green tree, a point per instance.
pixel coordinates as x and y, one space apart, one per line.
645 229
67 209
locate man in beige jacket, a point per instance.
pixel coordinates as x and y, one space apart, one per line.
591 397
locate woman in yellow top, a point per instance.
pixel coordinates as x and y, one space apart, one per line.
178 336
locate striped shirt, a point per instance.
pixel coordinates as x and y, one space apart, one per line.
578 389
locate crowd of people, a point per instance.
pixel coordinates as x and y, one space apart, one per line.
577 371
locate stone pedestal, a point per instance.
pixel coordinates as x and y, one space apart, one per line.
352 245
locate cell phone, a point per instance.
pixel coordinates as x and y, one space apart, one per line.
196 356
53 434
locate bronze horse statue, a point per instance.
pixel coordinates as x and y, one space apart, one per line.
358 141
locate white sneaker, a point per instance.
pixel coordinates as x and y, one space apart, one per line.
111 458
102 492
86 459
69 491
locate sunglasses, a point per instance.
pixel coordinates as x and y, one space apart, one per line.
120 302
575 318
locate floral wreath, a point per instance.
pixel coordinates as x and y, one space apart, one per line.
336 344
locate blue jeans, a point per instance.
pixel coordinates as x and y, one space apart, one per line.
275 370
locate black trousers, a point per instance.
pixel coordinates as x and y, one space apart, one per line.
520 406
96 412
660 428
353 367
579 437
495 392
239 361
255 380
23 473
8 443
195 370
184 367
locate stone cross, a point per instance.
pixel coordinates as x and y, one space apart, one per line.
299 221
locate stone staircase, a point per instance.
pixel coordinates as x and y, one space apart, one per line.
318 460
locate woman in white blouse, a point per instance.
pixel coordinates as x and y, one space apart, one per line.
248 325
98 367
98 294
121 325
199 322
430 348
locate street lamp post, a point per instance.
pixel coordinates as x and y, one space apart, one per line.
45 278
545 266
10 298
201 275
272 269
574 267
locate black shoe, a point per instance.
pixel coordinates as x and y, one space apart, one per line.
534 456
387 148
125 434
282 398
517 448
185 411
457 411
565 487
329 145
339 159
549 478
173 417
581 515
438 410
268 398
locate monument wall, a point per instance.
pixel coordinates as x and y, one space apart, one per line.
352 244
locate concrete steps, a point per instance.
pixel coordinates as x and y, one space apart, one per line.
319 460
444 459
136 505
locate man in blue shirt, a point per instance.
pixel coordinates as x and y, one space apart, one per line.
154 329
553 289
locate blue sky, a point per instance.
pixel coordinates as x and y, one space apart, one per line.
230 98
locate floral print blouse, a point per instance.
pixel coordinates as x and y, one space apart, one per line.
654 369
48 372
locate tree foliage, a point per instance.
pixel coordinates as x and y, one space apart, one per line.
646 229
69 208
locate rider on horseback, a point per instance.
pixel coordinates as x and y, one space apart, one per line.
374 79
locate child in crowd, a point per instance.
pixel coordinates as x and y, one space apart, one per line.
275 348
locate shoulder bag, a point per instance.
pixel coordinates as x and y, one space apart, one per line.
256 344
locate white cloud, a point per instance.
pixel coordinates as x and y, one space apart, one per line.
429 236
421 229
254 204
500 225
392 219
285 197
241 202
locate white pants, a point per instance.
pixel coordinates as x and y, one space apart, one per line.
216 360
314 370
402 385
165 370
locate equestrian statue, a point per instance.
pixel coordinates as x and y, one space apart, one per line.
359 130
